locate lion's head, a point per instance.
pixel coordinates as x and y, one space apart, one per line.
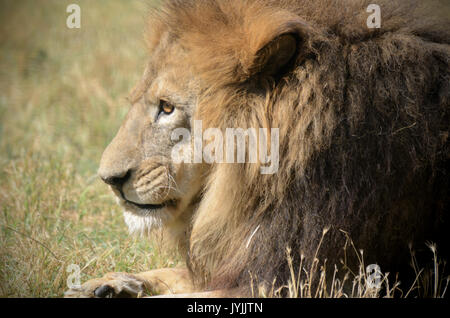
138 164
154 190
362 117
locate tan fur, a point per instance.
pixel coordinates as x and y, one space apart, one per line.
166 281
363 119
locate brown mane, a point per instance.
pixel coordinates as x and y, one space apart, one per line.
363 117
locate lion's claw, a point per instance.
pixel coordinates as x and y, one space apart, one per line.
104 291
109 286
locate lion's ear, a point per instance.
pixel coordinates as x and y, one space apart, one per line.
275 57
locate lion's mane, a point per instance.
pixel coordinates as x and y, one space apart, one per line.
363 117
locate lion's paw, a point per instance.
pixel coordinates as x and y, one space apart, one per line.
112 285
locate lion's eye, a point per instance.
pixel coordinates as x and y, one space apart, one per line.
165 107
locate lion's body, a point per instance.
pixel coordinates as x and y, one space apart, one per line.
363 118
363 139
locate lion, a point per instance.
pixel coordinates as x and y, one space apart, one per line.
363 119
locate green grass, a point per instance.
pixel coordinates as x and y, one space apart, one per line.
62 98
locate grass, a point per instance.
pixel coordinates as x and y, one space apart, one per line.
317 281
62 98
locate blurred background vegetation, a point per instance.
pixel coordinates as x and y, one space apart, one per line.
62 98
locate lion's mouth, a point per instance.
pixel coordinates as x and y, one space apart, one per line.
147 206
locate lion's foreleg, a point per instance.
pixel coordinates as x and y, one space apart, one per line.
167 281
220 293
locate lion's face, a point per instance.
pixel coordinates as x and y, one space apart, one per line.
176 87
153 190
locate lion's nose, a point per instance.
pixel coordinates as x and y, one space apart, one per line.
116 181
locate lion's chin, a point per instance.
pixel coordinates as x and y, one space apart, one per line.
144 223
